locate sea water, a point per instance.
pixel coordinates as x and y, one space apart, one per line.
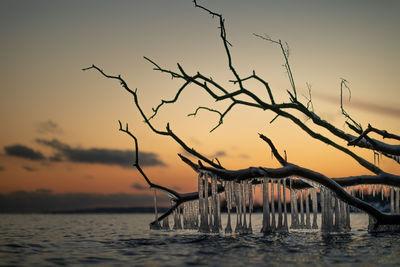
126 240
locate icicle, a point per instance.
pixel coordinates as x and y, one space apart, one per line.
266 225
177 222
156 225
293 225
197 221
192 215
216 212
165 222
337 214
244 189
279 205
206 206
329 210
295 220
210 213
238 208
347 227
315 207
273 225
179 218
392 201
302 224
323 210
308 221
250 186
343 216
203 225
285 223
228 197
211 204
362 191
215 227
184 216
397 201
219 211
373 190
175 227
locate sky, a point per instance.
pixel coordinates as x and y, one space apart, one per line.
59 125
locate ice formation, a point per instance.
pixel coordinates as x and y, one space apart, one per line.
157 224
204 214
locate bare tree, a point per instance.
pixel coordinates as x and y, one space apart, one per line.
358 136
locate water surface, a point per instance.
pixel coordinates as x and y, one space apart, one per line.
125 240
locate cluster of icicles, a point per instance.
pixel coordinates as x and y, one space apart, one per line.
204 214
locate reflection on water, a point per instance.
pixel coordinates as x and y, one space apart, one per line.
125 239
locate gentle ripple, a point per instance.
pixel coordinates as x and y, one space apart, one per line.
125 240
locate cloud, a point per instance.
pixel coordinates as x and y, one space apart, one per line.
2 168
48 127
367 106
123 158
29 169
219 154
43 191
139 186
43 200
23 152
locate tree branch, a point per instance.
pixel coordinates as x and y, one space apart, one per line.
289 170
165 133
379 146
175 195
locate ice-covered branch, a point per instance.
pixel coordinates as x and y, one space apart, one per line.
289 109
176 197
289 170
393 150
380 179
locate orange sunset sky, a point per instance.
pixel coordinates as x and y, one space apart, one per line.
59 125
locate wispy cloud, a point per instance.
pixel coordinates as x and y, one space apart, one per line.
124 158
359 104
2 168
48 127
219 154
139 186
29 169
23 152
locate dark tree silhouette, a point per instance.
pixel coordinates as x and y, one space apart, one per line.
358 136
